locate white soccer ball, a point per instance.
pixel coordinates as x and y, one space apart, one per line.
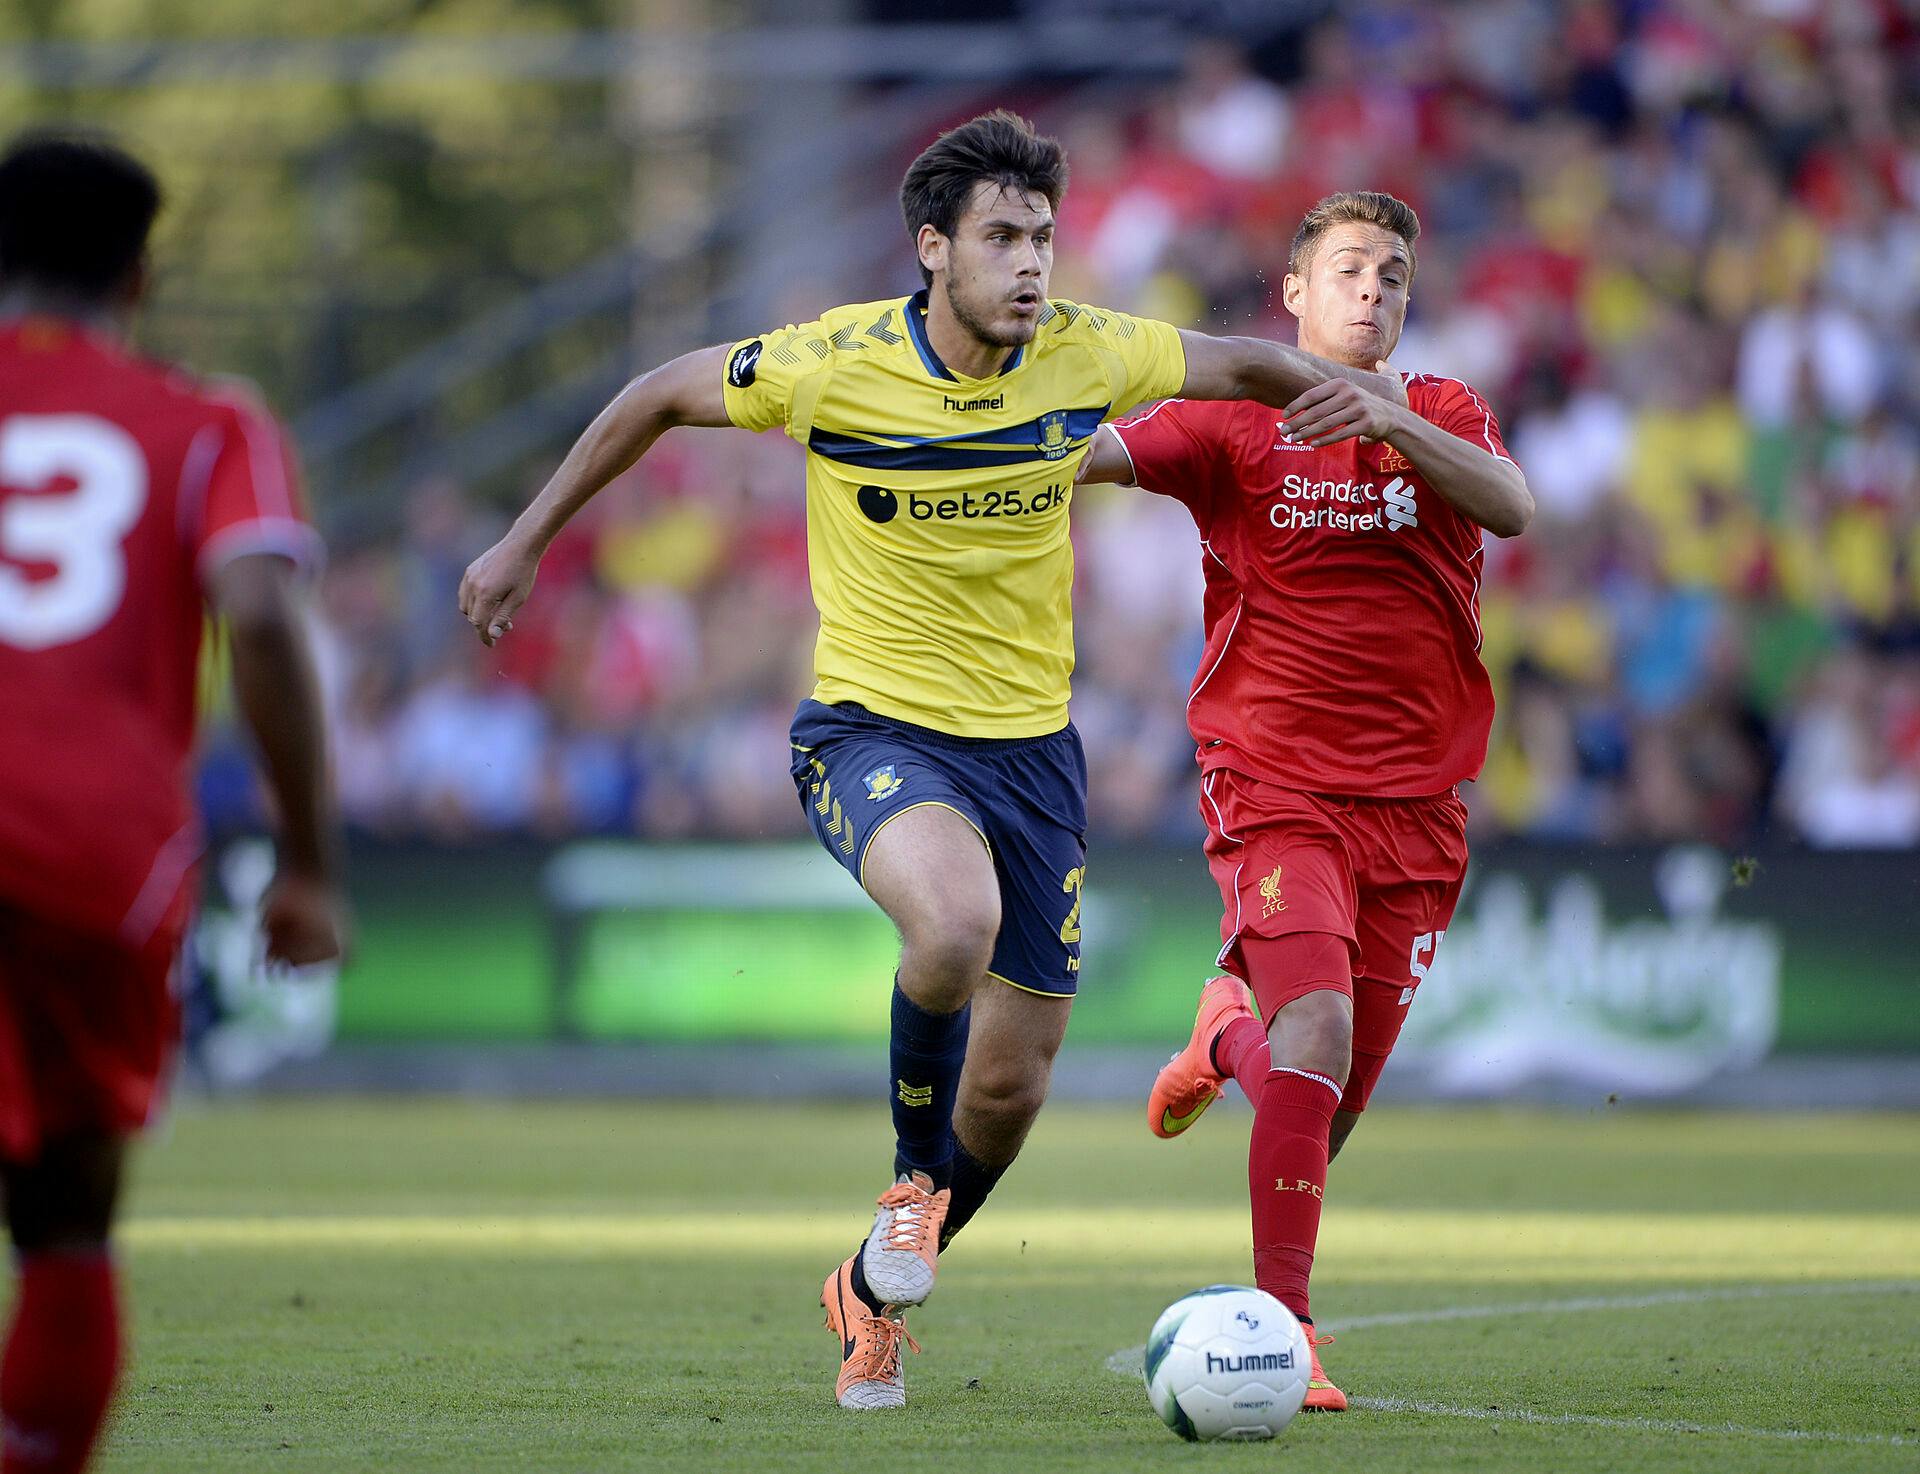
1228 1361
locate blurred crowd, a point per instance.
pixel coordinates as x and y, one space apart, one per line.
1675 242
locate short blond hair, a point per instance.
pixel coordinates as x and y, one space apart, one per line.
1352 207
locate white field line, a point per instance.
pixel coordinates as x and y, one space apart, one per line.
1620 1302
1130 1361
1640 1425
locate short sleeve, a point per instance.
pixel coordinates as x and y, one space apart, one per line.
1148 358
1462 410
763 374
250 499
1177 449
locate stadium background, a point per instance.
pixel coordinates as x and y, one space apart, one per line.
1677 244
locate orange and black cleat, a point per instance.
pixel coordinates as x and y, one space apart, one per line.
870 1375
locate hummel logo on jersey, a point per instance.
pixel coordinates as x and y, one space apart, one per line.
1401 511
746 358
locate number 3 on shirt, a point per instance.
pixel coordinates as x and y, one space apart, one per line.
79 532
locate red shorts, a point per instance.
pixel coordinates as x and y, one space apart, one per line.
1383 873
87 1032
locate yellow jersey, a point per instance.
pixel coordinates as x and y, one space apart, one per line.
937 504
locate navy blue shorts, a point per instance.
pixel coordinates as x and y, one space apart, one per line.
1026 796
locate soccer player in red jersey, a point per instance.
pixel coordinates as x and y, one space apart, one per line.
1339 702
131 498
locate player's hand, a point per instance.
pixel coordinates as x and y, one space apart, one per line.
304 920
1339 410
496 584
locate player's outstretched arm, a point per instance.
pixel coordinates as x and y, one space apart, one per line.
1272 373
304 913
686 391
1106 461
1487 488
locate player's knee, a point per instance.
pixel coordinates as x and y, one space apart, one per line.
950 951
1007 1094
1315 1032
66 1200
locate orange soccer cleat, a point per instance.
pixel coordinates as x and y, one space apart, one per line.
1322 1395
1188 1083
870 1375
904 1243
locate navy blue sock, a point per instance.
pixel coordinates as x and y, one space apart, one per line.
860 1286
972 1181
927 1052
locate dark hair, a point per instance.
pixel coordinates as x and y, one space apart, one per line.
74 213
1360 206
1000 147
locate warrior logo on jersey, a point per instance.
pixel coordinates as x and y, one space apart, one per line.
1052 435
1270 891
882 783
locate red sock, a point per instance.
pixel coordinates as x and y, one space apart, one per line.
62 1354
1286 1178
1241 1050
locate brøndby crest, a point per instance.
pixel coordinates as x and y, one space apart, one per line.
1052 438
882 783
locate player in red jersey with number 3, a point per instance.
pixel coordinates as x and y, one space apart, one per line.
1339 702
132 498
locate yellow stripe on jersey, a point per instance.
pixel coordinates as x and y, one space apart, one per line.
937 504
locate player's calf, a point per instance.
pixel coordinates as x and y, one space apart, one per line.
62 1352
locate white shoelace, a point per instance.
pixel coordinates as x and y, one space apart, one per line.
905 1228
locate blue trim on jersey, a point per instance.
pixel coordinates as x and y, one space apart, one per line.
915 312
921 457
1006 445
1080 423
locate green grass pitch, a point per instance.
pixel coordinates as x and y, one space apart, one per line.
428 1286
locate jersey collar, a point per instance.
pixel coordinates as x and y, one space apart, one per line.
915 313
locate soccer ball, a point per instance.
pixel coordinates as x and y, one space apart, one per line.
1227 1362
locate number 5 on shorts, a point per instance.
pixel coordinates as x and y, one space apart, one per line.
1425 946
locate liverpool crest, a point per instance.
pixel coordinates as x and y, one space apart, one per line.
1270 891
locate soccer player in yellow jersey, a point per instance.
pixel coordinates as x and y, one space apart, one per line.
934 759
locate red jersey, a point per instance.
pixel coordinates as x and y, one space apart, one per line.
124 485
1342 602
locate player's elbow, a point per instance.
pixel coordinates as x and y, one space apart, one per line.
255 596
1515 511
